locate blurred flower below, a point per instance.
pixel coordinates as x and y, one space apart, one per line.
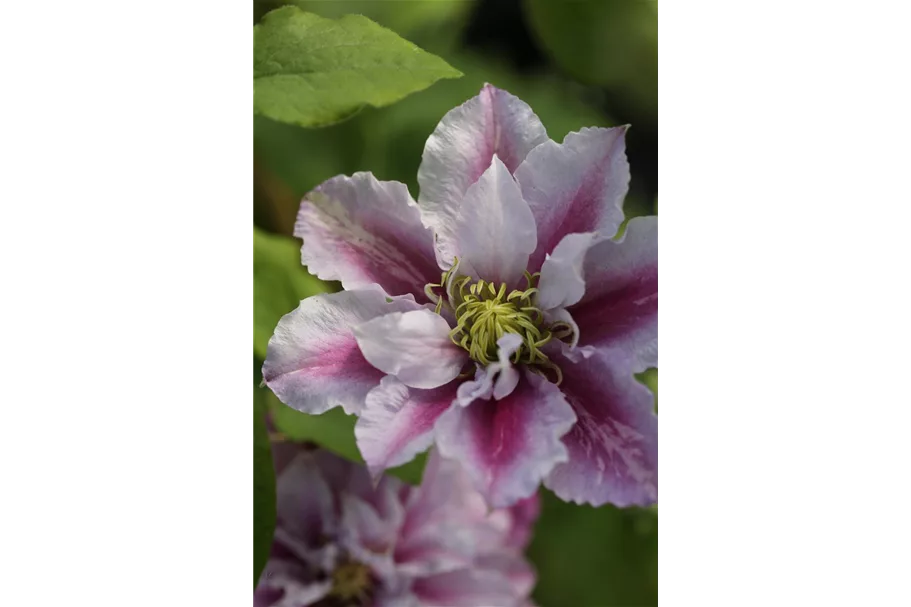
343 541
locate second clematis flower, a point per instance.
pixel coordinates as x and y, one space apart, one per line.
495 316
344 541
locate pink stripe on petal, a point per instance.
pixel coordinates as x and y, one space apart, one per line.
577 186
508 446
613 448
620 306
313 362
363 232
461 148
397 422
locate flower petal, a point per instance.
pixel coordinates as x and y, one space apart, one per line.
371 519
460 149
347 478
363 232
445 492
495 229
480 387
514 567
613 448
413 346
397 422
313 362
507 375
280 585
576 186
305 507
466 588
395 598
444 522
563 315
508 446
620 306
523 516
562 283
496 380
364 528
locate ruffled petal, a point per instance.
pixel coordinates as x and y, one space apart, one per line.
620 306
508 446
397 422
562 282
313 362
461 148
365 232
577 186
613 448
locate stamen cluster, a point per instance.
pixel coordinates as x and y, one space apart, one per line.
484 312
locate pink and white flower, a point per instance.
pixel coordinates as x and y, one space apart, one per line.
340 541
495 317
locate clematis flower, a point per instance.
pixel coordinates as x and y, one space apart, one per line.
340 541
496 317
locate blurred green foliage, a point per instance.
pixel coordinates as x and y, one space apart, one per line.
333 430
596 56
279 284
606 42
594 557
263 487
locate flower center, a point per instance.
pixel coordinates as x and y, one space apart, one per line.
351 582
484 312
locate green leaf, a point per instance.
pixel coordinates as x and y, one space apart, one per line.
312 71
263 487
432 24
334 431
413 471
279 284
609 42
